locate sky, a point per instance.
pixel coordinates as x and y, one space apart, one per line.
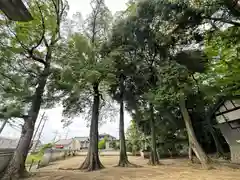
79 125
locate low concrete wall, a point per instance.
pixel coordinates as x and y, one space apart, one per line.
51 155
235 154
5 157
102 153
232 137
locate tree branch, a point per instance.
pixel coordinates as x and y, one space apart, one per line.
6 76
40 60
59 14
24 69
43 27
31 50
235 23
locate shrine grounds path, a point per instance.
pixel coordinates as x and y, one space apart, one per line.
171 169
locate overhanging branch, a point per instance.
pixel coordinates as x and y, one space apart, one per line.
29 51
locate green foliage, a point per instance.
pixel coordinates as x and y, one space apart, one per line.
114 145
46 146
134 138
152 46
223 47
23 51
81 66
34 158
102 144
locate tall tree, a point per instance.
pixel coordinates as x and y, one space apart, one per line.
118 90
160 39
81 76
123 161
34 42
97 27
124 68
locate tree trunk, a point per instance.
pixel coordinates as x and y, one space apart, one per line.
3 125
218 145
212 131
16 167
190 155
92 161
154 157
123 161
196 147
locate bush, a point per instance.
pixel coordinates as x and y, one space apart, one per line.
129 147
102 144
34 158
113 145
37 156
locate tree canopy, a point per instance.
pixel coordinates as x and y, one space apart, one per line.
166 62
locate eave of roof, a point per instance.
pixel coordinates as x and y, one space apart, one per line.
220 102
15 10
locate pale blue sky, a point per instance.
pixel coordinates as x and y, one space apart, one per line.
79 126
84 7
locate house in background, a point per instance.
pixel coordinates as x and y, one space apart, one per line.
83 141
68 144
107 136
64 144
109 139
8 143
79 143
227 113
15 10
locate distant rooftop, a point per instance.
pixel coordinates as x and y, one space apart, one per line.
82 138
6 143
107 135
64 142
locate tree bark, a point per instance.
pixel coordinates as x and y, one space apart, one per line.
92 161
190 155
154 157
123 160
16 167
194 144
218 145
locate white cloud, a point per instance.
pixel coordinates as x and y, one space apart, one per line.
79 125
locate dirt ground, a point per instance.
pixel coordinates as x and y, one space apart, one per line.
171 169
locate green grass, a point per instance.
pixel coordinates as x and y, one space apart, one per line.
34 158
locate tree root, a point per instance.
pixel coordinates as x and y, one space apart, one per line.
208 166
151 163
91 163
26 174
15 175
69 169
126 163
